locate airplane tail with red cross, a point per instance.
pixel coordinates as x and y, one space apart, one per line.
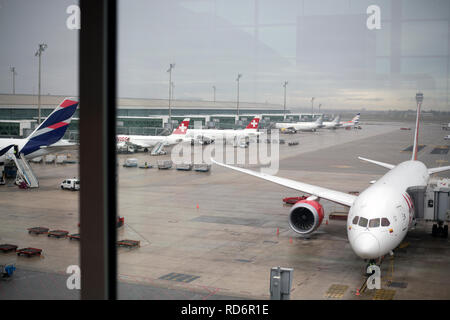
253 125
182 128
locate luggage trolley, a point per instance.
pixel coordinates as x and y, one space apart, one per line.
7 269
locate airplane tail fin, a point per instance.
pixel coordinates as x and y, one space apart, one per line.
337 119
253 125
319 121
53 128
356 118
419 98
182 128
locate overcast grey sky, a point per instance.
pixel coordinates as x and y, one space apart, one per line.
322 47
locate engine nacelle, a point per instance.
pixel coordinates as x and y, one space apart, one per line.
306 216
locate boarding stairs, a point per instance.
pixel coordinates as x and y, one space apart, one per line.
24 170
157 149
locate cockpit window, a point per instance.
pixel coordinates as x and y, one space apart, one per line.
374 223
363 222
385 222
355 220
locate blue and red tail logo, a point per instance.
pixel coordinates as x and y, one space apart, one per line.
53 128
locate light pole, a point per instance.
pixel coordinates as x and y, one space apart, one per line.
14 73
214 94
312 107
173 90
41 48
285 85
319 107
237 79
171 66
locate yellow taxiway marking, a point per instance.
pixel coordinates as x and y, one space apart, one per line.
336 291
341 166
384 294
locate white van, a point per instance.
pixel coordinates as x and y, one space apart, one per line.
71 184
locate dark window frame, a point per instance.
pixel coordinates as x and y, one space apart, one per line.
98 196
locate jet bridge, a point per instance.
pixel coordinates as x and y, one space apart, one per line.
432 203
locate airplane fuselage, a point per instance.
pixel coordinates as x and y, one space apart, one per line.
299 126
385 211
43 151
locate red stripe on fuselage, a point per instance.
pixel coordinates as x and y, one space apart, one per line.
407 201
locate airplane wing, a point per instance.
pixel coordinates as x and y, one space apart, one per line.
328 194
438 169
379 163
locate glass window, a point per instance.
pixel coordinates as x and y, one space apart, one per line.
374 223
355 220
385 222
363 222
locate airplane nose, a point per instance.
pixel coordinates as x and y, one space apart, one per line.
366 246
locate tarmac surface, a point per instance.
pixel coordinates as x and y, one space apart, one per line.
214 235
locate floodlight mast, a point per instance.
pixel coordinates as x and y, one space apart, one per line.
285 85
14 73
171 66
237 79
41 48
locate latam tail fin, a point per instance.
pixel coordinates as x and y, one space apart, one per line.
182 128
337 119
382 164
53 128
419 99
356 118
253 125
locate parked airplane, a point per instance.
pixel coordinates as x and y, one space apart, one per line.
352 123
331 124
46 138
209 135
300 126
178 135
379 217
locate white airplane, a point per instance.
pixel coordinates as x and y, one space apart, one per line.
300 126
46 138
352 123
237 135
178 135
331 124
379 217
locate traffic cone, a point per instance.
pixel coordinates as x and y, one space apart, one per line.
326 222
197 206
357 292
278 232
290 240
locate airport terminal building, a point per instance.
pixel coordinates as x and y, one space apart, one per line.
19 114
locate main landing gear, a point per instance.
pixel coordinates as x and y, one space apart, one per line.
439 230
